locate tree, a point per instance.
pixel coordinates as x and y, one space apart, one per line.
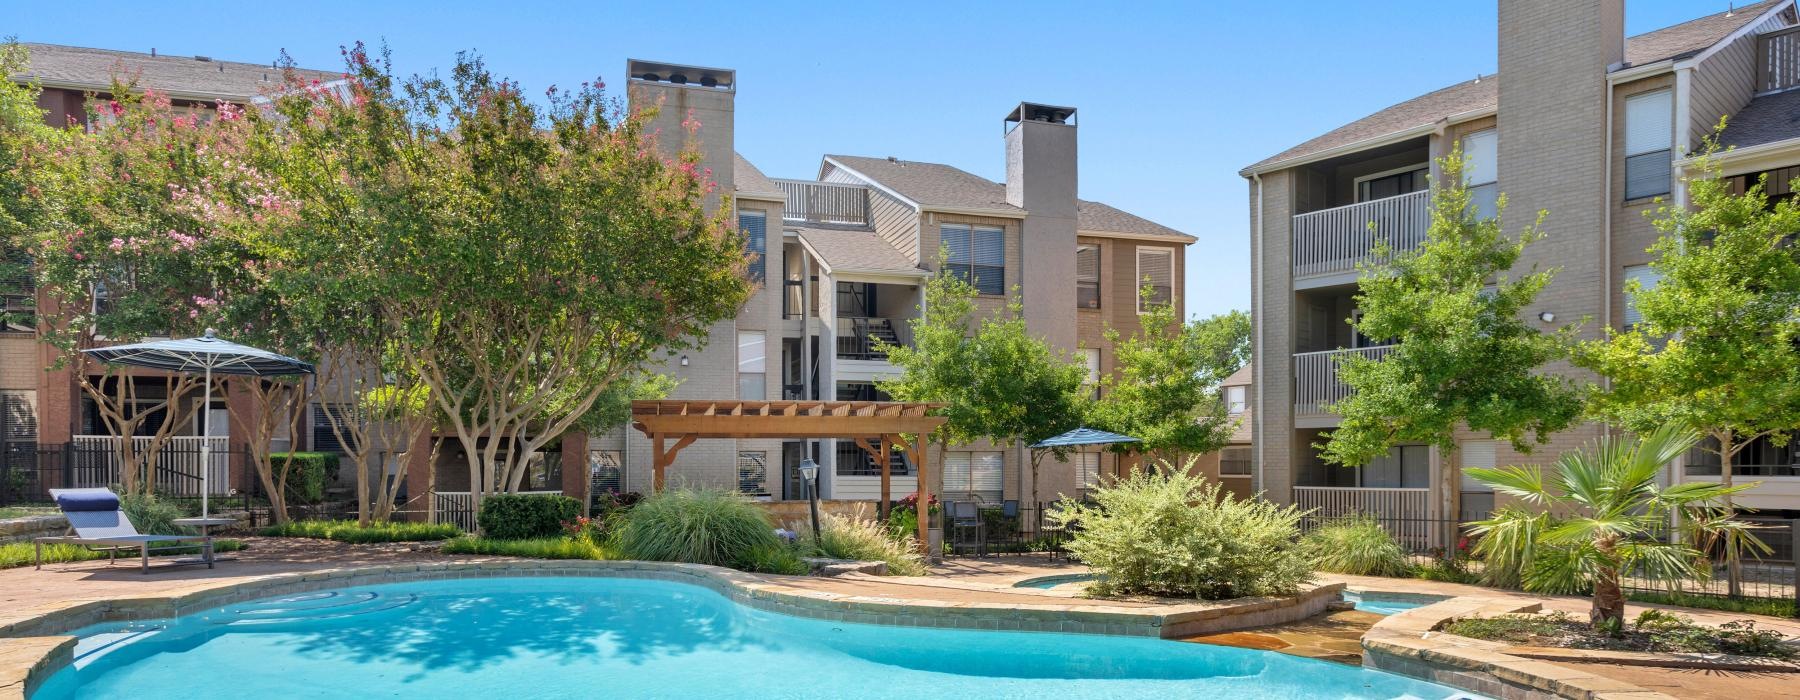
1603 512
1463 354
1716 349
1164 389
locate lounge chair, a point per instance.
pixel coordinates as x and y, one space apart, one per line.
97 521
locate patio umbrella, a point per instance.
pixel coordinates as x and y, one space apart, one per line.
206 355
1084 436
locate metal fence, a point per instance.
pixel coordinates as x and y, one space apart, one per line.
28 475
1002 529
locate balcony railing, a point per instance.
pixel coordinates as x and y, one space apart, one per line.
1404 513
1334 240
1778 60
856 338
830 203
176 463
1316 383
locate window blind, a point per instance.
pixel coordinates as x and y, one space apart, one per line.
1647 278
1156 270
1087 277
1649 133
977 254
974 474
755 226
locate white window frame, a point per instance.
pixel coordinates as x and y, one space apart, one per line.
1087 470
1356 185
1236 399
755 366
1484 195
973 264
1137 287
1662 142
968 458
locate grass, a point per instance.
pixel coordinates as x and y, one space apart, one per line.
1653 631
349 531
1775 607
11 512
540 548
857 538
16 554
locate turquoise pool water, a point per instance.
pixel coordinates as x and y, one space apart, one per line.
1053 581
596 637
1387 604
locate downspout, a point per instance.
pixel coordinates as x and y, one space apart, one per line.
1260 361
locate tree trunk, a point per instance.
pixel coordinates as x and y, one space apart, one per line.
1609 600
1734 567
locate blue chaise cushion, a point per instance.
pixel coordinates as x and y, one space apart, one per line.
97 500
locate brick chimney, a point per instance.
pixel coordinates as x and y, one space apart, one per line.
1041 178
706 94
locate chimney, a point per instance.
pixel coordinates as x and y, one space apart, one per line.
1041 178
705 94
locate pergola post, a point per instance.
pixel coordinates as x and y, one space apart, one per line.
887 496
663 457
923 465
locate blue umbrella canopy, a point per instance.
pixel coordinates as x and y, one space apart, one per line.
1085 436
203 354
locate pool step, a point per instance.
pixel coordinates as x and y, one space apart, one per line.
314 606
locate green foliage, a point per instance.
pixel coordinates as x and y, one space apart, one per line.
1654 631
862 539
534 548
515 516
1164 389
16 554
152 515
1175 534
774 559
349 531
1356 545
699 526
1464 353
1448 570
1773 607
307 473
1612 511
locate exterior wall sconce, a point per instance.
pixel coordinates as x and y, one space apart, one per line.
684 360
1544 316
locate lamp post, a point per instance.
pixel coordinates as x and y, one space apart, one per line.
809 472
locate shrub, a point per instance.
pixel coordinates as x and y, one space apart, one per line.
522 516
862 539
779 559
1773 607
307 474
1172 533
534 548
152 515
349 531
702 526
1356 545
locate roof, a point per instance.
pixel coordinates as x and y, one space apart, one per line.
1085 436
1766 119
1475 96
1242 377
860 251
938 185
746 178
75 67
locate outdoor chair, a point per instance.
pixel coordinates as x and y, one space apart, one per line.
98 522
966 527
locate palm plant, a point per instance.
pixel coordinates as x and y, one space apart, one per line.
1602 512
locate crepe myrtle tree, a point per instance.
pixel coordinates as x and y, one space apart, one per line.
523 258
1716 350
24 141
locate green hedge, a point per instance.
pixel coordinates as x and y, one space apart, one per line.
349 531
307 474
515 516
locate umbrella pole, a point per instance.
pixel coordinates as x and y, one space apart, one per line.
206 443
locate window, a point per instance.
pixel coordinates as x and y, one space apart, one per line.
1234 400
1156 270
543 471
1087 470
754 224
1403 467
752 366
18 292
18 439
1234 461
1087 277
753 473
1477 497
1392 183
1481 172
974 475
606 472
977 254
324 438
1649 131
1091 358
1647 278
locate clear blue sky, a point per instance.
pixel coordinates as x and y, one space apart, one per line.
1171 106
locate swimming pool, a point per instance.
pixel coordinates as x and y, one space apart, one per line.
1048 582
1389 603
582 637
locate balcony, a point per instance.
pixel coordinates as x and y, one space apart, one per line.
1316 383
1404 513
1778 60
1332 241
825 203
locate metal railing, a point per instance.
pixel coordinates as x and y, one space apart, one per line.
1316 383
1334 240
810 202
176 463
1778 60
856 337
1405 512
458 507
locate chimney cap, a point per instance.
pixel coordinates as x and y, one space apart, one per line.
1034 112
694 77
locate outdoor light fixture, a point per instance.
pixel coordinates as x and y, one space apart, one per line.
1547 317
684 360
809 472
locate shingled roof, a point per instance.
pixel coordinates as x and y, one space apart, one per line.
1766 119
1475 96
939 185
192 77
858 251
749 179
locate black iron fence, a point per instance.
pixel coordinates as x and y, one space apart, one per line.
1004 528
28 475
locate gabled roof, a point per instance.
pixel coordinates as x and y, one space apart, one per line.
932 185
844 250
1483 94
1766 119
78 68
748 180
1243 377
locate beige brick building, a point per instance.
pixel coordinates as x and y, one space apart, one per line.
1580 121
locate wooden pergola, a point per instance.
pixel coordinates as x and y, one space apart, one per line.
875 426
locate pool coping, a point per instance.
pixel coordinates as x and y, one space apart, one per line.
37 644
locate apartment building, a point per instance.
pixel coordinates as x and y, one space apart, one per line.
843 256
1581 121
841 260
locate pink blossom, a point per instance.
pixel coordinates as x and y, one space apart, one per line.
117 244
